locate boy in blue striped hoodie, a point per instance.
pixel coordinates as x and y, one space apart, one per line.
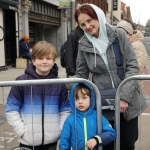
37 113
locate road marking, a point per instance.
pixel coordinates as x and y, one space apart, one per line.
10 133
148 42
7 138
146 114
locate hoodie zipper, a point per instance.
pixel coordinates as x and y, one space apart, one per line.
85 132
43 115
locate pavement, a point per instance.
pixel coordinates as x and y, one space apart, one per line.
10 140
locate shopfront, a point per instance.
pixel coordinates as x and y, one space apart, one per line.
8 33
44 21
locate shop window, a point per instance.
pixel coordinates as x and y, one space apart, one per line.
31 34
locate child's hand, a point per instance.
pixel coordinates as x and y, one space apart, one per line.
91 143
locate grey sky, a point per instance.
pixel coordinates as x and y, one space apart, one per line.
140 10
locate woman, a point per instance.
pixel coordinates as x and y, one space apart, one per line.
136 38
96 55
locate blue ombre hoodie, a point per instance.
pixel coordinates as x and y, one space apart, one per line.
80 127
50 107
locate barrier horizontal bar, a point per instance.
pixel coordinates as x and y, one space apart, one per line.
59 81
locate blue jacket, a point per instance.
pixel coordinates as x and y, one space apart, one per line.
80 127
50 107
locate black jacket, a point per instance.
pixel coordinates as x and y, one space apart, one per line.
72 50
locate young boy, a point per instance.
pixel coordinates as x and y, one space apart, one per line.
80 128
50 105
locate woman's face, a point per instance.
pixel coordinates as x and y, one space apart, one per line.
88 24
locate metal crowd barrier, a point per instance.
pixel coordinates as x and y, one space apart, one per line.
97 94
58 81
117 105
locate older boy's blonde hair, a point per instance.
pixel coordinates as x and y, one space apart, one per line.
43 48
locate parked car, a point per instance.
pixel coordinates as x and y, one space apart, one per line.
146 34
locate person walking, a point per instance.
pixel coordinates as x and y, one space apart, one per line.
24 47
80 128
136 38
96 55
38 121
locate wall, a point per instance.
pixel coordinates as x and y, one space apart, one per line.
20 21
100 3
2 54
50 35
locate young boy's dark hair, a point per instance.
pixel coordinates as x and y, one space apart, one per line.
49 107
80 128
83 89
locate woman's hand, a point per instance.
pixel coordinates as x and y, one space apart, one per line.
123 106
91 143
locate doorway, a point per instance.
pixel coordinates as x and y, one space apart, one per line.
10 37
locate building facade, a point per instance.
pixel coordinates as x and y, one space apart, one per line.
8 33
41 20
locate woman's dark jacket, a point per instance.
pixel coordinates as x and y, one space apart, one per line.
72 50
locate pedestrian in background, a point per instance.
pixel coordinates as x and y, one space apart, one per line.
96 55
80 128
71 47
136 38
24 47
37 113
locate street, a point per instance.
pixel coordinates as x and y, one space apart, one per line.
147 44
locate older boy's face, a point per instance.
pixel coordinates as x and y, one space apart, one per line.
82 103
43 64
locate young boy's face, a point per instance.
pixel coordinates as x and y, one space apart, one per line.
82 102
43 64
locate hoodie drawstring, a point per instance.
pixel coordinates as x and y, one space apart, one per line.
94 51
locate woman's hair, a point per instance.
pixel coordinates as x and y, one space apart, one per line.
86 9
43 48
83 89
76 25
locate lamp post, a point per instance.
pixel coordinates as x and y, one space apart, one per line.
72 14
111 12
139 16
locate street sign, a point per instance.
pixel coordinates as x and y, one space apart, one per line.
115 4
64 3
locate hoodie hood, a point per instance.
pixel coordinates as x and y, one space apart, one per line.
100 44
30 70
137 36
102 24
72 100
